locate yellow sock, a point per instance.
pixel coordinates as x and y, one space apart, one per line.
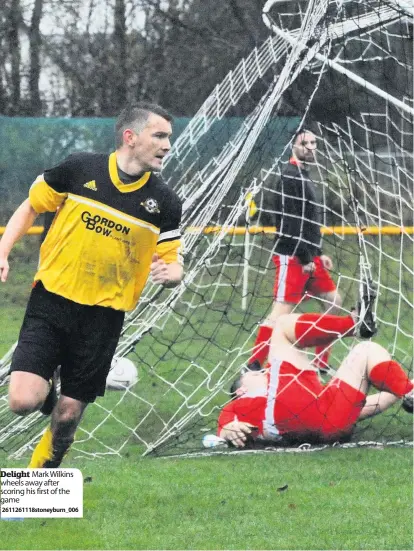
43 451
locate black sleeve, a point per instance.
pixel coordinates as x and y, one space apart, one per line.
171 218
60 177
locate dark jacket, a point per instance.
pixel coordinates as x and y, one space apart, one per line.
293 207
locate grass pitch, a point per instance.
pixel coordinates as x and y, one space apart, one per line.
335 499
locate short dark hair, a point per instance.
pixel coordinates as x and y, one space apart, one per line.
137 114
301 131
236 384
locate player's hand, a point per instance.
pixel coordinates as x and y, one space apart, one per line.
237 432
326 262
308 268
4 269
159 270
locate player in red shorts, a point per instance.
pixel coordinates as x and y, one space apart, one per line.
289 401
302 271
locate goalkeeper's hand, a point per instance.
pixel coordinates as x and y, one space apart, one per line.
237 432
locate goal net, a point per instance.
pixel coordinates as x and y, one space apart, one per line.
344 70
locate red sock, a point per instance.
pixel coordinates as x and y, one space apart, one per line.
262 344
323 356
321 329
391 377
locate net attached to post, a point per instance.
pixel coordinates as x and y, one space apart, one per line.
345 70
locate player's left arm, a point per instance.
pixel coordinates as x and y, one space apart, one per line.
167 266
167 274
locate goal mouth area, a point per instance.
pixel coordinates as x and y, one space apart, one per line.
280 449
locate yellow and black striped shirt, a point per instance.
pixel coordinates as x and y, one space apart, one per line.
99 248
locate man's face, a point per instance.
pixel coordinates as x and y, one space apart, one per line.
304 147
150 145
253 382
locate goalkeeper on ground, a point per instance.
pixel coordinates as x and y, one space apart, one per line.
288 403
116 224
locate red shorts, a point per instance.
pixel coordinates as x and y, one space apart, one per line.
292 285
304 406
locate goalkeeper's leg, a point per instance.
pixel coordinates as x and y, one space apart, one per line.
297 331
261 347
308 330
369 363
332 302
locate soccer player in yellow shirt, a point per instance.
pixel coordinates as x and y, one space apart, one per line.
116 223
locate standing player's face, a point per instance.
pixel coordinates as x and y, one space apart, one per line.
304 147
152 144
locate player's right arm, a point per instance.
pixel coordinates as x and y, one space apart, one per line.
47 193
231 429
17 226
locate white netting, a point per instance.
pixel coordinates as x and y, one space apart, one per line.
189 342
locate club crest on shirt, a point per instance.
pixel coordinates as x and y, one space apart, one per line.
91 185
151 206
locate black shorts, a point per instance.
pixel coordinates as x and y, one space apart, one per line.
81 339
